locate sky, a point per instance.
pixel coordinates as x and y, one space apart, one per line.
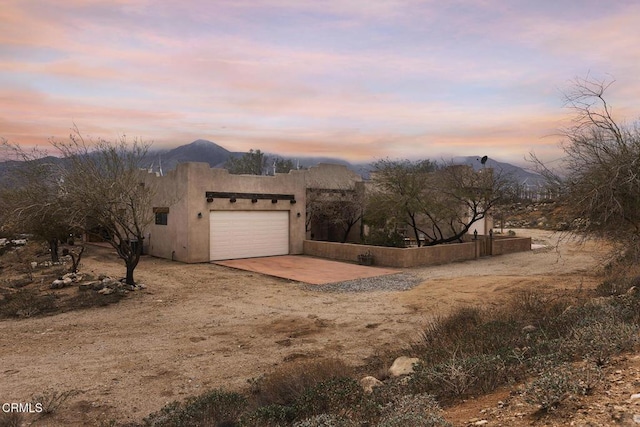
357 79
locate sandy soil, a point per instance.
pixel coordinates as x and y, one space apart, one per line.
204 326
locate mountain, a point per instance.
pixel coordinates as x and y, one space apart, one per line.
206 151
199 150
520 175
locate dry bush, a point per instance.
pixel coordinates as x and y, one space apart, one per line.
25 303
213 408
11 419
551 388
286 384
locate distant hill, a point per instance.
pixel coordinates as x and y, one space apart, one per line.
215 155
199 150
520 175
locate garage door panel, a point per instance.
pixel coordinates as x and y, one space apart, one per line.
247 234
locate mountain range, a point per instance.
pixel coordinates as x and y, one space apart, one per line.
206 151
216 156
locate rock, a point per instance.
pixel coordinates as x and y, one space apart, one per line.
402 366
636 418
635 396
57 284
34 265
67 281
631 290
368 383
481 423
105 291
96 286
85 286
529 328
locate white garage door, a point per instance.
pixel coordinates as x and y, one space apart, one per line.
247 234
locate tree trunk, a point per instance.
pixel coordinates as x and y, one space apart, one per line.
53 247
130 267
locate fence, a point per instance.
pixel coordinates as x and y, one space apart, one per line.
423 256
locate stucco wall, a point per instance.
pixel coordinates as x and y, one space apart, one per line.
183 190
411 257
508 245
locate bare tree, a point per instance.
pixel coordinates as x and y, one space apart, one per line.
397 193
439 203
339 208
33 202
600 176
104 189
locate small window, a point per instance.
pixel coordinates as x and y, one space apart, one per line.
162 215
161 218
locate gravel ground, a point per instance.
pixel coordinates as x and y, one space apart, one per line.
388 283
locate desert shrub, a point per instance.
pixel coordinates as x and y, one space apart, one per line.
325 420
270 416
26 303
91 298
599 341
285 385
214 408
421 410
337 395
442 335
11 419
560 383
615 286
460 376
52 400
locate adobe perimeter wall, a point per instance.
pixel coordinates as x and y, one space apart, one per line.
506 245
412 257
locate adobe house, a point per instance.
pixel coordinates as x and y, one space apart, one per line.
206 214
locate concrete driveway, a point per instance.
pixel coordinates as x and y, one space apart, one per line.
316 271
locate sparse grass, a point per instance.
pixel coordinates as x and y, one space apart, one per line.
560 340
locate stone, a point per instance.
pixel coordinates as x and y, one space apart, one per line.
67 281
403 366
368 383
529 328
96 286
57 284
636 418
635 396
85 286
481 423
34 265
105 291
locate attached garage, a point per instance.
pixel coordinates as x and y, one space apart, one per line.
248 234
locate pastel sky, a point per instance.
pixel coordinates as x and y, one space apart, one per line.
358 79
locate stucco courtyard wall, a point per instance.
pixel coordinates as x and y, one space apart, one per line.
412 257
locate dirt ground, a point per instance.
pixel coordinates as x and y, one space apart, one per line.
203 326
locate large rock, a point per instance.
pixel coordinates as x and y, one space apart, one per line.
403 366
369 383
